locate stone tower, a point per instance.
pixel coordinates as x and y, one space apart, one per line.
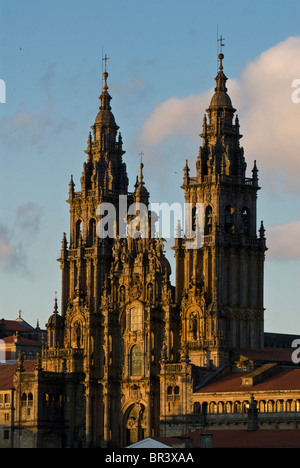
138 323
219 285
76 336
117 312
104 180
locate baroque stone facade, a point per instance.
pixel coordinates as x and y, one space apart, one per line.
128 355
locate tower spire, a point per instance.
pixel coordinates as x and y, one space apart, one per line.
55 304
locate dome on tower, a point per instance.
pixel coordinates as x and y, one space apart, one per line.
55 320
221 98
141 194
105 115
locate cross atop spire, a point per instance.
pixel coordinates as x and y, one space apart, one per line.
55 303
105 59
221 55
220 40
105 74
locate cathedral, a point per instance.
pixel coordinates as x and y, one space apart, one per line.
129 355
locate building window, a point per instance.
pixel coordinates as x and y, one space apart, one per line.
136 319
245 221
6 434
24 399
208 220
92 232
136 361
229 219
197 408
30 399
78 232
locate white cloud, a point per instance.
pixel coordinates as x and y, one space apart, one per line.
283 241
175 117
270 119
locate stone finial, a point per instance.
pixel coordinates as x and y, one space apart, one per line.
20 363
38 366
252 415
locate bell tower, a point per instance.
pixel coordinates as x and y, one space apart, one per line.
76 335
104 179
117 308
220 284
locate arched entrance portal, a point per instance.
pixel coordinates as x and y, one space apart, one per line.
135 424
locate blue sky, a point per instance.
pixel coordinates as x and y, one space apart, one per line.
163 57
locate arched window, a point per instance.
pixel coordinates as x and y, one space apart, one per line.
229 219
205 407
92 232
197 408
213 408
271 406
194 219
245 221
245 406
208 220
136 319
136 361
78 231
30 399
46 399
289 405
228 407
24 399
263 406
280 406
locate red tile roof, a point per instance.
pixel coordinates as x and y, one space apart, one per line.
170 441
262 438
22 340
286 379
13 325
7 372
